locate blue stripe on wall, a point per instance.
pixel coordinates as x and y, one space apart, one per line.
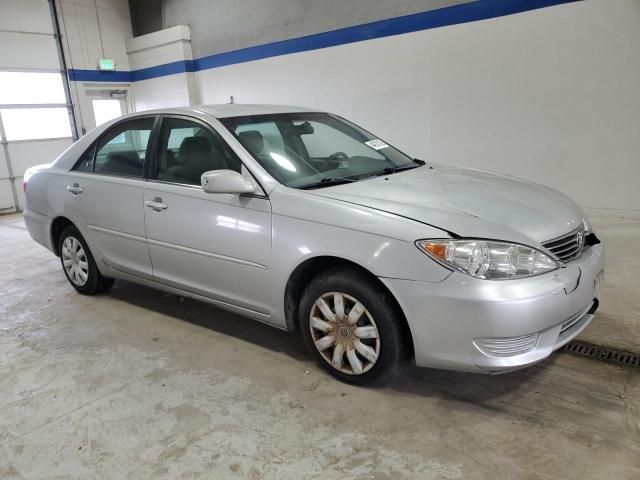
98 76
453 15
172 68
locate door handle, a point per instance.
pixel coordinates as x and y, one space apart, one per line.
156 204
74 189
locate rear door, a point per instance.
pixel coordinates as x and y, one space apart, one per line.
216 245
105 195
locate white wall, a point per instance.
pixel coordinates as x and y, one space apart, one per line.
91 31
158 48
82 32
222 25
551 95
165 92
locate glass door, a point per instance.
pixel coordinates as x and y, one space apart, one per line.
107 104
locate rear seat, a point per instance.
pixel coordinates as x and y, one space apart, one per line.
125 162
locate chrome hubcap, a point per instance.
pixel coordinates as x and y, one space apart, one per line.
74 261
344 333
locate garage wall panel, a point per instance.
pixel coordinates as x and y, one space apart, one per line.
3 164
25 16
35 152
20 191
27 51
6 198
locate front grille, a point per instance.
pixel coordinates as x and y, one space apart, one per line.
568 246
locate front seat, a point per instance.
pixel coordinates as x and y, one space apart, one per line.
253 141
196 156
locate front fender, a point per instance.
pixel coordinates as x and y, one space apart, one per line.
391 255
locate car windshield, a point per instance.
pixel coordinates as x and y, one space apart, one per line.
314 150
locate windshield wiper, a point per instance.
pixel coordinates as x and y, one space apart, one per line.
330 181
394 169
327 182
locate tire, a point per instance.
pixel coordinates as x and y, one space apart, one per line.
377 315
78 264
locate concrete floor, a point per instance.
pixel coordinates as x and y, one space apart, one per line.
138 384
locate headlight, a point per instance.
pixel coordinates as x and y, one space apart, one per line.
489 259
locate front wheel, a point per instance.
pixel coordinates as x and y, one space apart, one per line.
79 265
352 327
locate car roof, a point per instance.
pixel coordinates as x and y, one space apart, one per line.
229 110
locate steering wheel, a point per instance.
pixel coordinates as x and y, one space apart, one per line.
335 158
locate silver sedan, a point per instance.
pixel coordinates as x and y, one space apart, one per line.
303 220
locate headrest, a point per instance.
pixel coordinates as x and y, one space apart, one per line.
252 140
195 145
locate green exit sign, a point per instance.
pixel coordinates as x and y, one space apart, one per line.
106 64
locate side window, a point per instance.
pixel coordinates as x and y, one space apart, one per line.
122 151
188 149
85 162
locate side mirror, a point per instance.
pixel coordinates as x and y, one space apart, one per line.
225 181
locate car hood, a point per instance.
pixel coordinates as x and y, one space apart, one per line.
466 202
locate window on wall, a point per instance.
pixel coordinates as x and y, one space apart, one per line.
31 87
33 123
106 109
32 106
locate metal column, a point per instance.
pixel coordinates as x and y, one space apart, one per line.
63 66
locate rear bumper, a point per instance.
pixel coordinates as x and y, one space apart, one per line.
39 227
484 326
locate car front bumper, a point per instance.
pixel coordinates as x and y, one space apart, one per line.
468 324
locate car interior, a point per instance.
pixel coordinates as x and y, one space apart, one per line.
295 152
197 153
123 162
124 150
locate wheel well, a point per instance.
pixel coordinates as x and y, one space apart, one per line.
57 226
306 271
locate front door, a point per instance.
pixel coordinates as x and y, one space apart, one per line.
105 194
215 245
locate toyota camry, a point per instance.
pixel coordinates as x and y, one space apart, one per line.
305 221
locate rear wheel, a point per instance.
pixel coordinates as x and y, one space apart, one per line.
79 265
352 327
